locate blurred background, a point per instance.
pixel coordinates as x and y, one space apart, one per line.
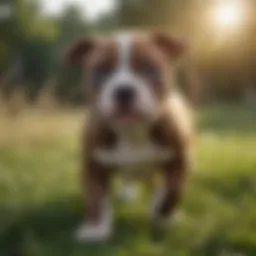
42 113
221 35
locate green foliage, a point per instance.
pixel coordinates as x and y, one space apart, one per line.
28 22
38 41
26 34
38 63
71 27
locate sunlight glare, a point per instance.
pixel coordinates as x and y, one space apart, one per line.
228 14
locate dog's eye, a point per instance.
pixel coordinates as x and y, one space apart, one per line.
147 70
102 72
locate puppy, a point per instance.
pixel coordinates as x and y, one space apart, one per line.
136 119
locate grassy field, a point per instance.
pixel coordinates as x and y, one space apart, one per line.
40 203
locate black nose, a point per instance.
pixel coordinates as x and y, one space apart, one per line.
124 95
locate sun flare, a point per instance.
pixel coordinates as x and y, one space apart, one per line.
228 15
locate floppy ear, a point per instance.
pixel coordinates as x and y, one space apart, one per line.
77 52
172 46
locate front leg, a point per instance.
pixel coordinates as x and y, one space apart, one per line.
98 220
169 193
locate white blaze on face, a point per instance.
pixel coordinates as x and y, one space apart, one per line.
123 75
124 46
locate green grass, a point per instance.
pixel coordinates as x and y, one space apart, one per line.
41 205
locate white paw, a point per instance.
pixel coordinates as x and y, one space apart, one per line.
93 232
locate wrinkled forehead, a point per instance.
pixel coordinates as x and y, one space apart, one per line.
124 49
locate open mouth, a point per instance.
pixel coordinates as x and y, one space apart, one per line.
126 116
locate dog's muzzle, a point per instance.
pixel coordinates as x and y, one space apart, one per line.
124 97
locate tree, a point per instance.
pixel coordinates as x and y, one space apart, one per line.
26 35
72 26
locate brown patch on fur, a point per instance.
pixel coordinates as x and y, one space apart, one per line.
79 50
104 53
172 46
104 56
145 54
174 130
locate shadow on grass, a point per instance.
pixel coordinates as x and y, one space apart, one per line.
49 230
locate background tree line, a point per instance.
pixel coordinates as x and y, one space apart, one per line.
32 44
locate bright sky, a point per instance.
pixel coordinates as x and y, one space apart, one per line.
92 8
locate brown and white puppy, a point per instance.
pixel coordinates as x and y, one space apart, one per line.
137 118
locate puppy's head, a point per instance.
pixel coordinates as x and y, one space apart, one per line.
128 75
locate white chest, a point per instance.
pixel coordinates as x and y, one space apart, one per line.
130 155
